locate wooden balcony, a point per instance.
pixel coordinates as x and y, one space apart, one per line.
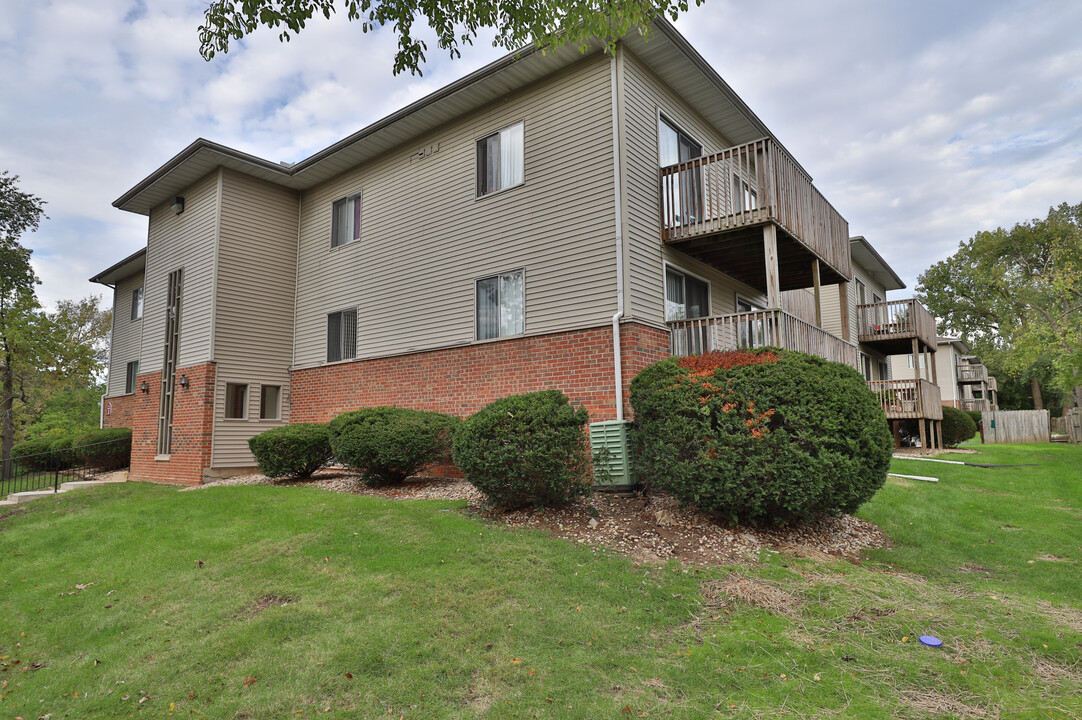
891 326
978 404
714 208
761 328
972 373
908 399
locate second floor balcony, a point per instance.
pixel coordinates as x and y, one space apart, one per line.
760 328
908 399
891 326
714 208
972 373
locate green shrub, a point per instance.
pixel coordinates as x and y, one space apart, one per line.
762 435
958 426
291 451
389 444
34 454
105 448
526 449
64 458
974 414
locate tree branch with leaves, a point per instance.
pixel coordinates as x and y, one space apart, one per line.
548 23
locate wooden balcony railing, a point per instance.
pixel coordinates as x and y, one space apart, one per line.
905 399
979 404
761 328
750 185
972 373
896 320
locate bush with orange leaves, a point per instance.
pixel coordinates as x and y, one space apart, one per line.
762 435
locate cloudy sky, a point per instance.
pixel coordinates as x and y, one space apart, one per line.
922 122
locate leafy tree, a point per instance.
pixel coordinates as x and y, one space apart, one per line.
20 319
549 23
67 411
1016 296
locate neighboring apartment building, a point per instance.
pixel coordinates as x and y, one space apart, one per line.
859 313
553 220
963 380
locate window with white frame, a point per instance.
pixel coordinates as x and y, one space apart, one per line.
346 220
866 366
884 370
131 373
341 335
270 397
236 401
685 296
500 159
501 305
909 358
137 303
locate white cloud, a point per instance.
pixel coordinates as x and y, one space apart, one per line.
921 122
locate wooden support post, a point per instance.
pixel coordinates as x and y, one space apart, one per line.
896 426
818 296
843 309
916 361
923 434
770 256
935 374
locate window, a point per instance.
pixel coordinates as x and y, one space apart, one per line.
129 377
910 359
500 306
137 303
745 198
500 160
342 335
346 220
682 192
884 371
862 293
866 366
685 297
269 399
236 396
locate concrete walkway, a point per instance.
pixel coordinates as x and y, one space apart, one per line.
28 495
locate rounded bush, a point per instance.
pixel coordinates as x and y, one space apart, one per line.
975 415
529 449
389 444
761 435
958 426
291 451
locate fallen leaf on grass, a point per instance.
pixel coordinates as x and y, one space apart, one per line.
516 661
249 680
816 676
349 676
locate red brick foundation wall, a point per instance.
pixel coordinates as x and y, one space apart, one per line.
460 381
193 419
119 411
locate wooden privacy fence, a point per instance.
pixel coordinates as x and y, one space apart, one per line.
1073 420
1016 426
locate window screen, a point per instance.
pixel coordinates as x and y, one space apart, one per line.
342 335
500 159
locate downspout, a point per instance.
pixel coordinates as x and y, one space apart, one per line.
617 361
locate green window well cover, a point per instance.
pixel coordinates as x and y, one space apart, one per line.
612 463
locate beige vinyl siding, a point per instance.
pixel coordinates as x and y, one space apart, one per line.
643 96
181 241
832 307
426 238
253 330
126 334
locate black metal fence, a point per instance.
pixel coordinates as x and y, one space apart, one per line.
47 470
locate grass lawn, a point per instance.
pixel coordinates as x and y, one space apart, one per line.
263 602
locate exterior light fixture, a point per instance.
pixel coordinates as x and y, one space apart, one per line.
144 386
177 205
183 382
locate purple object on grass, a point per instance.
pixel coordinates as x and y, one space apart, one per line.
930 640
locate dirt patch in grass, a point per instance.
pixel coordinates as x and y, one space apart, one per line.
1068 616
1051 672
264 602
940 704
974 568
1051 558
763 594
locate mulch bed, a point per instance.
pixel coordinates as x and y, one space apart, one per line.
650 529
